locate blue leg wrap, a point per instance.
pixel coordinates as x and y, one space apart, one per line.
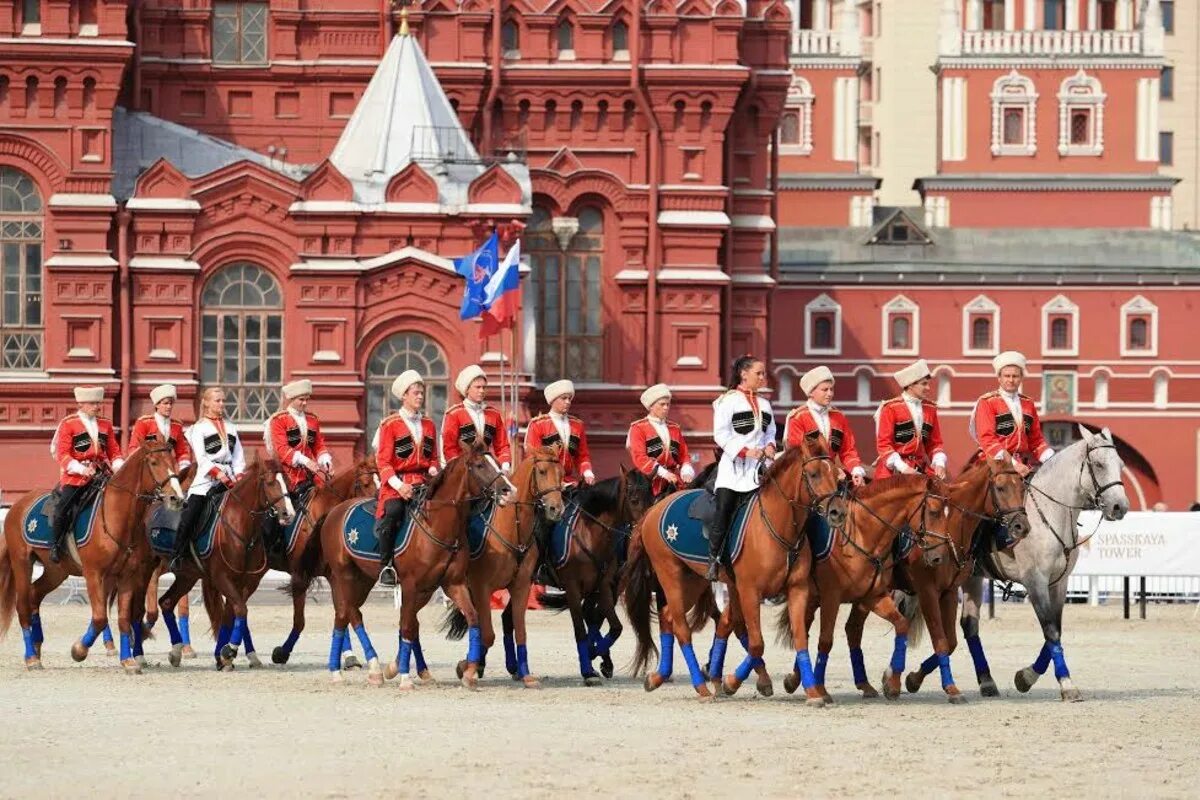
593 638
1060 661
1043 660
976 647
108 637
419 657
172 627
35 624
335 649
246 640
804 667
365 641
346 648
137 640
584 648
605 644
239 630
716 660
222 639
474 644
929 664
290 642
819 672
126 647
745 668
185 628
404 660
89 636
898 654
510 655
666 658
944 668
689 656
745 640
522 661
858 665
27 635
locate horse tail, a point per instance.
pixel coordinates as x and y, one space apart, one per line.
454 624
910 607
639 581
783 627
214 605
8 587
706 608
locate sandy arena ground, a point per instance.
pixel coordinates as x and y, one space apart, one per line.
87 729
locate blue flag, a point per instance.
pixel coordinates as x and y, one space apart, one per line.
478 268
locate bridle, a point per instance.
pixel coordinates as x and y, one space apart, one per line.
537 503
813 506
1001 516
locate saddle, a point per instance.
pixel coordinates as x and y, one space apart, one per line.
162 524
82 500
703 508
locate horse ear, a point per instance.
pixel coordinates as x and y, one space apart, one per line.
1107 434
1085 434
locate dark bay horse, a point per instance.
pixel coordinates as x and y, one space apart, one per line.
110 560
987 490
506 559
773 560
433 554
236 561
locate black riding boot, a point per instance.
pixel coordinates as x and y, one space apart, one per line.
727 500
193 510
385 532
62 516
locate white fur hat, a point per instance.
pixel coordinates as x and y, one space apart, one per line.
655 393
160 393
814 378
467 377
558 389
1009 358
89 394
297 389
912 373
406 379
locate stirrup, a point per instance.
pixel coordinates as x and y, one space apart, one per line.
387 576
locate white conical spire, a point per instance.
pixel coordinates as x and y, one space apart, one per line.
403 116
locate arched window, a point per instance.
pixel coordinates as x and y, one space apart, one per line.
1014 116
510 39
1060 333
901 336
795 126
566 263
981 333
1080 116
20 271
901 325
241 340
981 323
398 352
620 41
564 39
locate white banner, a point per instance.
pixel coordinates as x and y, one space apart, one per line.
1144 543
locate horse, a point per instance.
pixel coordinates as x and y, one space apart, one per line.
986 491
506 556
1086 474
423 559
230 568
858 570
107 557
585 562
769 559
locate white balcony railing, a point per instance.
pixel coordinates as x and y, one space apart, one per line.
1052 43
816 43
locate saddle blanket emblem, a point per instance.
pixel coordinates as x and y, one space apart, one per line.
163 524
358 532
38 531
688 537
563 536
478 527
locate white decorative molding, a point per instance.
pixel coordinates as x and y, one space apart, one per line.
937 211
1050 43
845 119
1139 306
954 118
862 210
1081 92
1014 90
1147 119
981 306
897 306
823 304
800 102
1100 395
1162 382
1162 212
1059 306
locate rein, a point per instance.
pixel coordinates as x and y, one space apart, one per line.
812 507
537 504
111 481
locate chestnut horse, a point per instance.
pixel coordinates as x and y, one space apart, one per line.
773 560
507 557
987 490
110 558
236 562
435 555
858 570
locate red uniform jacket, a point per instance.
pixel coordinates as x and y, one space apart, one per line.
996 430
458 430
573 454
74 443
400 456
146 430
649 451
286 443
801 425
896 433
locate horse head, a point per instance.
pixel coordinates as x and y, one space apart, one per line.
807 475
265 479
1100 474
156 474
934 524
483 474
540 477
1006 497
636 494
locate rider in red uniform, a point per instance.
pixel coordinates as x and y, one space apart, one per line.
907 434
817 418
161 427
559 427
656 445
474 419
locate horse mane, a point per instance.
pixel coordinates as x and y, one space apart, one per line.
639 484
601 497
703 476
882 485
790 456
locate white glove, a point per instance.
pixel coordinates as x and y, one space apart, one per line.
506 468
1046 455
325 461
118 463
687 474
939 459
589 476
77 468
859 471
395 482
433 470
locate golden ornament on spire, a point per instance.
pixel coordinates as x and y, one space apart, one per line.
404 4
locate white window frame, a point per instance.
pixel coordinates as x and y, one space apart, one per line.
799 100
1081 92
1014 89
901 305
823 304
981 306
1138 307
1060 305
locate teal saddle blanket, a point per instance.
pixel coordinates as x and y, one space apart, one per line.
358 531
37 528
164 523
686 530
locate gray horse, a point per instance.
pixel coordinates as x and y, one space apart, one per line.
1085 475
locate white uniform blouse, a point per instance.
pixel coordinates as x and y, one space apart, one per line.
214 450
737 426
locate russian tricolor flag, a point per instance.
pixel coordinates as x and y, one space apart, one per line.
502 295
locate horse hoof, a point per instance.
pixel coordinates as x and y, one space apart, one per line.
132 667
460 668
391 670
110 649
957 698
255 662
280 656
652 682
33 664
1071 695
336 678
912 681
176 655
729 686
141 660
425 678
606 669
815 702
351 662
765 687
1024 679
791 682
988 687
891 685
79 652
188 652
868 691
375 676
531 682
226 666
825 694
592 680
406 684
470 683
